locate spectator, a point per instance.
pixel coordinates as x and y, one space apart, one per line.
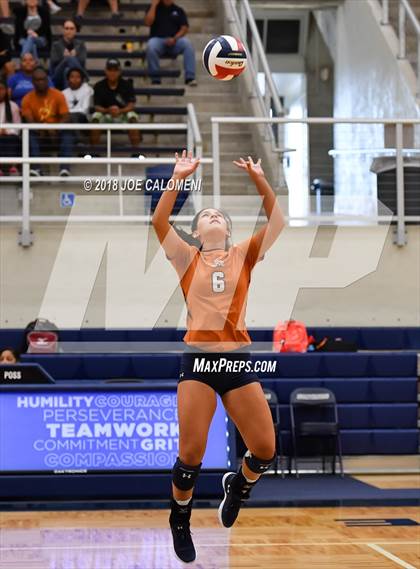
32 28
8 356
5 13
78 95
9 138
168 27
114 102
67 52
83 4
6 64
20 82
47 105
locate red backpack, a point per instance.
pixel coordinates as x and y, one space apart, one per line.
291 336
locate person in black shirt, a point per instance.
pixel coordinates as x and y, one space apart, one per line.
114 102
168 27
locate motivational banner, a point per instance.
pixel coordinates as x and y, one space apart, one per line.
82 431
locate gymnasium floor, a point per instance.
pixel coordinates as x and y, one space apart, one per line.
263 538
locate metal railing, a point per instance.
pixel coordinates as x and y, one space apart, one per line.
194 144
401 218
405 11
241 16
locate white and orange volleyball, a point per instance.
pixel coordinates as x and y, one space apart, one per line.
224 57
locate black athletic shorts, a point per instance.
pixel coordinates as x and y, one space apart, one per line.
222 371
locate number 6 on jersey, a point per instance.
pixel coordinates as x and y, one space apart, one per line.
218 281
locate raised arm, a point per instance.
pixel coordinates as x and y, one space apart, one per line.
167 235
150 16
267 235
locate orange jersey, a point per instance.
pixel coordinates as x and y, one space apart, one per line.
215 286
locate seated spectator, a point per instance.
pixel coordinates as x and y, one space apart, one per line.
47 105
78 95
83 4
168 27
67 52
32 28
6 64
20 82
9 138
5 13
8 356
114 102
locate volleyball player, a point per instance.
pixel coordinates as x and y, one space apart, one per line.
215 276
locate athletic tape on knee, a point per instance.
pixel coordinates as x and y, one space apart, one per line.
257 465
184 476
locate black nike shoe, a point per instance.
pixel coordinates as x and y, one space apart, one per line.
179 520
236 491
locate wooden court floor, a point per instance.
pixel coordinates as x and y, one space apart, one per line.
263 538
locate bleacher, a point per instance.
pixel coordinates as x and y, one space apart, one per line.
376 387
116 34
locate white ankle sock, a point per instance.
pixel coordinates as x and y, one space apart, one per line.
183 502
249 480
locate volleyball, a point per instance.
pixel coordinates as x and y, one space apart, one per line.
224 57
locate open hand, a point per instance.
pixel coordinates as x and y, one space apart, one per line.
253 168
185 165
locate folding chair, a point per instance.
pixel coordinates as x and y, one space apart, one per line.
313 413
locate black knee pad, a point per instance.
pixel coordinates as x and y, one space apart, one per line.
258 465
184 476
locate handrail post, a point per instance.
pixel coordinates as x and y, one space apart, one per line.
216 163
108 151
120 193
242 18
199 177
25 233
193 131
190 137
385 12
191 148
418 67
401 238
401 31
